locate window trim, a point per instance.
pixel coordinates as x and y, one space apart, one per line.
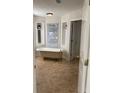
58 33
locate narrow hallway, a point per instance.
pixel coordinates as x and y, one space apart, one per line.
56 76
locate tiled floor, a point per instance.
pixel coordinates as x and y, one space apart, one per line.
56 76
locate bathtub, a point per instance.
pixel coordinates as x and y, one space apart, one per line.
54 53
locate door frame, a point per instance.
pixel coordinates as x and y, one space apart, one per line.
71 34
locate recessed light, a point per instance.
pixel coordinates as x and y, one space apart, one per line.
49 14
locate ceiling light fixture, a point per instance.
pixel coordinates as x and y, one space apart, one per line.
58 1
49 14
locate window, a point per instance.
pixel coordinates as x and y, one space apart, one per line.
39 36
52 35
39 32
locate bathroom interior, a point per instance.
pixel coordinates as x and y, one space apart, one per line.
61 46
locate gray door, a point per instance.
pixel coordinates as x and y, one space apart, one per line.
75 39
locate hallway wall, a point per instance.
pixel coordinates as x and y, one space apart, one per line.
85 36
72 16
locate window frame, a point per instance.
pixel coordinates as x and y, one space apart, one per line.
58 34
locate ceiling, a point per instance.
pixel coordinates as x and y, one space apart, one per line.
41 7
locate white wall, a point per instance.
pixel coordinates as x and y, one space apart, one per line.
34 79
34 63
53 19
84 47
72 16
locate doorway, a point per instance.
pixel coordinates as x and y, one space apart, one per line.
75 38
